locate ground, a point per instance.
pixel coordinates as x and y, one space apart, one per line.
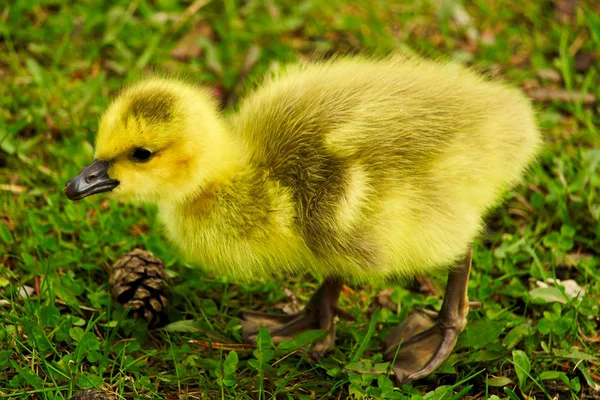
536 268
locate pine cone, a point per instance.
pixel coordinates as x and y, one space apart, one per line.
92 395
138 280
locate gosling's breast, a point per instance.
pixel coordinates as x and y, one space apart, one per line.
241 234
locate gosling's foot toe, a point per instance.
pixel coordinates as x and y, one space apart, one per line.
420 344
424 345
320 313
285 327
253 320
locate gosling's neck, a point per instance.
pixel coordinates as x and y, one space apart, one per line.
212 171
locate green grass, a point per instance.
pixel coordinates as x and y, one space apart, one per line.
60 63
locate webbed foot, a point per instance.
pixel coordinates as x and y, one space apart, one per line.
426 339
319 313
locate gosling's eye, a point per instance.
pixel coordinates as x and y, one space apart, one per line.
141 154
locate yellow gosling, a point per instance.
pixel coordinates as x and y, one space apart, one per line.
353 169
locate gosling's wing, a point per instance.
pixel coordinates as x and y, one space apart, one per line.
394 116
342 135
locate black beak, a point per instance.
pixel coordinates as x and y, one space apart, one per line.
93 179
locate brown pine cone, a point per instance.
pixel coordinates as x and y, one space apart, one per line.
92 395
138 280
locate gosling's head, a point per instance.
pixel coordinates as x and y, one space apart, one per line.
160 140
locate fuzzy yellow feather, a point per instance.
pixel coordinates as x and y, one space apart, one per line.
352 169
356 167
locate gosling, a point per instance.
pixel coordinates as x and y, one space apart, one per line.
353 169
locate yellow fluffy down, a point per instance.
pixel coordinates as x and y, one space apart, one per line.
354 167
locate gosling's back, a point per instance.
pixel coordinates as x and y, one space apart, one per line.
391 164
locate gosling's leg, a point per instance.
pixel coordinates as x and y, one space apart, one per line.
319 313
427 339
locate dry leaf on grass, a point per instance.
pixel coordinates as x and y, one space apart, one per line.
188 47
572 288
16 189
547 95
292 306
384 299
24 292
565 10
573 259
190 11
584 61
10 224
223 346
550 75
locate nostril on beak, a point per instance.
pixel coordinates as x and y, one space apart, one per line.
90 178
